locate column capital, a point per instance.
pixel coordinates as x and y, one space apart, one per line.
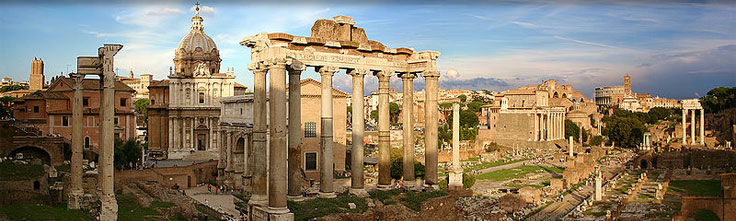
295 67
383 74
431 74
407 75
328 70
358 72
275 62
77 78
257 67
109 49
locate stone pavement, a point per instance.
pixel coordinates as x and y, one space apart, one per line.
201 194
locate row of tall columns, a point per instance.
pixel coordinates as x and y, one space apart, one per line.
384 143
549 126
646 143
693 124
326 186
408 126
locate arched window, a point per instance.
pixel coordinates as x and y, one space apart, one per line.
86 142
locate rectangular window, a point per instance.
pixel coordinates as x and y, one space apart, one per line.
116 120
310 129
85 101
35 109
65 121
310 161
123 102
201 98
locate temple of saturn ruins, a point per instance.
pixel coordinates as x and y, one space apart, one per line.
691 106
101 65
334 45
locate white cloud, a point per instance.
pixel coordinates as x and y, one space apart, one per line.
204 10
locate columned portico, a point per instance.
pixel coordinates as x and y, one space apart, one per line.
691 106
356 179
326 189
407 112
384 142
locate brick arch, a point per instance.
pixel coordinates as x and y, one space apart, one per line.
55 155
692 204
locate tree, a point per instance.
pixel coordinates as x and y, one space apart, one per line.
571 129
126 152
374 114
596 141
468 123
447 105
394 109
625 131
5 111
14 87
141 106
475 106
463 98
718 99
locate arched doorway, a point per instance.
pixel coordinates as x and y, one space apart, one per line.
704 215
240 144
556 95
31 152
644 164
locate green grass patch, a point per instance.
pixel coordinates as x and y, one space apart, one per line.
516 172
162 204
321 206
383 195
129 209
696 187
592 212
16 172
537 186
485 165
414 200
39 212
644 196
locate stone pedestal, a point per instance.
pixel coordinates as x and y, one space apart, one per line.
267 214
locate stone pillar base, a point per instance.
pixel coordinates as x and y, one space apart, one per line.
258 200
455 181
73 201
108 208
271 214
326 195
383 187
431 186
296 198
359 192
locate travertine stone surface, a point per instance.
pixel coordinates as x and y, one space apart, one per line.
384 142
407 111
260 197
295 69
326 189
277 183
77 144
357 179
430 137
456 172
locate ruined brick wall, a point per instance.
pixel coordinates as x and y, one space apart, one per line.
697 158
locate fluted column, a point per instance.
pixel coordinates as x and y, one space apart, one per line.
408 126
277 164
260 177
326 186
109 207
430 131
384 143
356 164
702 127
684 126
295 129
692 126
77 144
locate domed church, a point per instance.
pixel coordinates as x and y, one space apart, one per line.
184 110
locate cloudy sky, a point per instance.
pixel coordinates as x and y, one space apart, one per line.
671 49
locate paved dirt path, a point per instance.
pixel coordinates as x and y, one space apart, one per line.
214 200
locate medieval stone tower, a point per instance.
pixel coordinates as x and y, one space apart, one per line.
36 80
627 84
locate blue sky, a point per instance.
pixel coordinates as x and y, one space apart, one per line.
676 50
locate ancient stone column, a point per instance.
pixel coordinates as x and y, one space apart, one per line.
692 127
408 126
456 172
598 190
277 183
684 126
229 156
77 144
295 69
430 132
384 144
571 147
326 185
260 197
356 164
536 127
109 207
702 127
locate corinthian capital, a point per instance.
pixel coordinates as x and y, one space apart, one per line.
77 79
358 72
383 74
294 66
275 62
407 75
328 70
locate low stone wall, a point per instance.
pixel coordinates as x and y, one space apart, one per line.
184 176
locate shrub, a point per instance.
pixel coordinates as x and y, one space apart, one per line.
468 180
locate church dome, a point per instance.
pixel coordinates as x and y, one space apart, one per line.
197 53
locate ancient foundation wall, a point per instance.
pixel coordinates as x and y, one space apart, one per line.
185 176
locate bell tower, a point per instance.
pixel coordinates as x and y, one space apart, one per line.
36 80
627 84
